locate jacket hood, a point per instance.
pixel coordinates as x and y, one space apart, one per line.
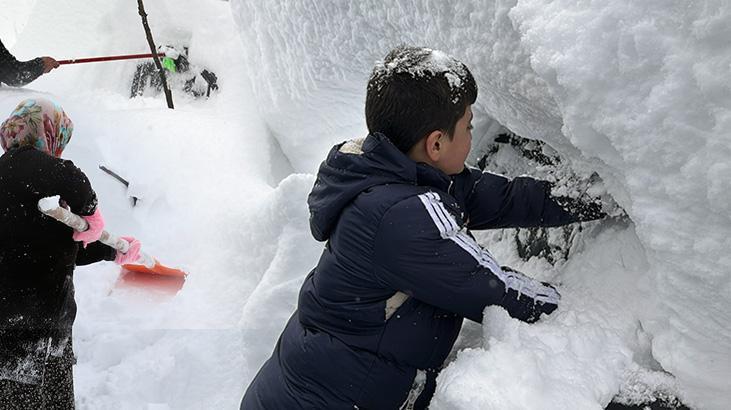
355 166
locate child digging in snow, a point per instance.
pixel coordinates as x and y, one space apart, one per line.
38 255
382 309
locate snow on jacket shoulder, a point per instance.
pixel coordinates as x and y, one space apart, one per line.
399 272
18 73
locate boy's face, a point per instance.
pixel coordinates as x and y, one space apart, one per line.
455 151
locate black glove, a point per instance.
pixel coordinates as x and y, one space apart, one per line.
522 307
583 211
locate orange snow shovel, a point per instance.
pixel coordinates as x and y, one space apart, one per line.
139 273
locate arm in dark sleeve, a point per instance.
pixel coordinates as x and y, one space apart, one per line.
493 201
421 251
18 73
74 188
95 252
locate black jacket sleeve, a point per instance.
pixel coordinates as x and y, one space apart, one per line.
95 252
493 201
18 73
421 251
74 188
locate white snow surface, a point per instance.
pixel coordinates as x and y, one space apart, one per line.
637 91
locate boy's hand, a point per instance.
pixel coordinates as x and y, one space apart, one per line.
525 308
528 310
584 211
542 308
546 308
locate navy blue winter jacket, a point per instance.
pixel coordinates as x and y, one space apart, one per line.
398 274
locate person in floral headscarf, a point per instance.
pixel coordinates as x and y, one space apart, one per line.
37 123
38 255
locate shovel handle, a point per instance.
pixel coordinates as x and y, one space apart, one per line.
109 58
79 224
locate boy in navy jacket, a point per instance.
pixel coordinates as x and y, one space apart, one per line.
382 309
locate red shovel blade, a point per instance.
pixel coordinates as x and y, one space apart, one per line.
163 284
158 269
159 278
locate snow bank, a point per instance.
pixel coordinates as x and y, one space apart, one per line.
642 90
282 252
635 91
13 20
310 62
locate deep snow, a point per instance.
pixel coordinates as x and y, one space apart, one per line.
636 92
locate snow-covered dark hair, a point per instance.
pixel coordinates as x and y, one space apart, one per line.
415 91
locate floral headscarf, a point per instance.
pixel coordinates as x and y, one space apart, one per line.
39 123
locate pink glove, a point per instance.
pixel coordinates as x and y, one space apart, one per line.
133 253
91 234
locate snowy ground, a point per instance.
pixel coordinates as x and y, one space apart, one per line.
642 100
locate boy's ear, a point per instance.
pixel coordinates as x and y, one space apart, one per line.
433 145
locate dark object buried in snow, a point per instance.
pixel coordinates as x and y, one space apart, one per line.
655 405
193 80
514 155
120 179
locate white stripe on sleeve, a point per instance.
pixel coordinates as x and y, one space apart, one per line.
450 229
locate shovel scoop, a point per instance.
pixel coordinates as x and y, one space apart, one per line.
145 264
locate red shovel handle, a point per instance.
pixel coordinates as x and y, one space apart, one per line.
109 58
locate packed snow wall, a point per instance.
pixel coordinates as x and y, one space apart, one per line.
635 91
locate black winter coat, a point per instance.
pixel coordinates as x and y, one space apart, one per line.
18 73
399 272
37 258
